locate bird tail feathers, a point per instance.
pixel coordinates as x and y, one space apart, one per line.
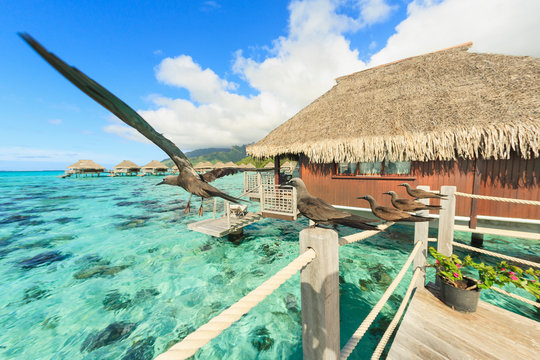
356 222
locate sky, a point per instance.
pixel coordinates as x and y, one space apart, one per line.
212 73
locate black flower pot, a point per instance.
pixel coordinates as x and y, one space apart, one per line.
460 299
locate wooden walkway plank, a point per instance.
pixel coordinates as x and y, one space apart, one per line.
218 227
431 330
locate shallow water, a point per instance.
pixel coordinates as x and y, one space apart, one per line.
105 268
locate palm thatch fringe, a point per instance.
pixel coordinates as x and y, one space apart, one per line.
469 143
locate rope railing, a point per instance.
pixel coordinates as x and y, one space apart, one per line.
494 254
517 297
200 337
359 333
397 317
363 235
494 198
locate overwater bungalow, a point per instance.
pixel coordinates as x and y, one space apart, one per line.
452 117
218 165
203 166
154 167
126 168
84 167
230 164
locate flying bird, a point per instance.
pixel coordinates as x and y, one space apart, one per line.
409 204
422 194
188 178
320 212
391 214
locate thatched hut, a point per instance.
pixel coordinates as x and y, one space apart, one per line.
126 167
250 166
203 166
154 167
84 167
230 164
218 165
451 117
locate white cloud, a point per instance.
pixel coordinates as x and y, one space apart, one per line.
508 27
298 68
55 121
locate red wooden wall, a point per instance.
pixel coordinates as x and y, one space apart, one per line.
514 178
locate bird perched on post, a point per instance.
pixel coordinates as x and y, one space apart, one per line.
391 214
188 178
422 194
409 204
320 212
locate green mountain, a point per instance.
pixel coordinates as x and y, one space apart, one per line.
214 155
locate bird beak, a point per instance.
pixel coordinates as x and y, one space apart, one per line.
161 183
387 193
361 197
401 185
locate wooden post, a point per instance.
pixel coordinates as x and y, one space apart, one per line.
261 190
276 170
421 230
228 209
215 206
320 295
446 221
476 187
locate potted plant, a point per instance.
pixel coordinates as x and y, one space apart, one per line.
462 293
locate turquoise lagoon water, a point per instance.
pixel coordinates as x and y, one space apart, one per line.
105 268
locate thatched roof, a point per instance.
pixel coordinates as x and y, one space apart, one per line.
86 165
154 164
204 165
126 164
270 165
250 166
218 165
230 164
443 105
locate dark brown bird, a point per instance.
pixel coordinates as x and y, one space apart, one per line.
188 178
409 204
206 177
422 194
320 212
391 214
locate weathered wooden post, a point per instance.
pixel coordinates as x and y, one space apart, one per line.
320 295
446 221
261 190
421 230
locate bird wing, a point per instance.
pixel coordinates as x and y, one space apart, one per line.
217 173
318 210
112 103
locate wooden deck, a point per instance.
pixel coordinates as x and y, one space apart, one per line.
219 227
431 330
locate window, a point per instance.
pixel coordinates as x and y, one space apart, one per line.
374 168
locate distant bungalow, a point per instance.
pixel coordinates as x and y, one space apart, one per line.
84 167
154 167
203 167
126 167
218 165
450 117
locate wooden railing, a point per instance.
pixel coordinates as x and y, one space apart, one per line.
318 264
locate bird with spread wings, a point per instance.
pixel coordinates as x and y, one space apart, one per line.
188 178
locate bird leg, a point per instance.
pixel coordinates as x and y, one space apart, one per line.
201 208
188 206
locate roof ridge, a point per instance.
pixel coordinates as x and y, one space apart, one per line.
464 46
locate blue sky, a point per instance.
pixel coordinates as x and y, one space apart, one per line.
212 73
